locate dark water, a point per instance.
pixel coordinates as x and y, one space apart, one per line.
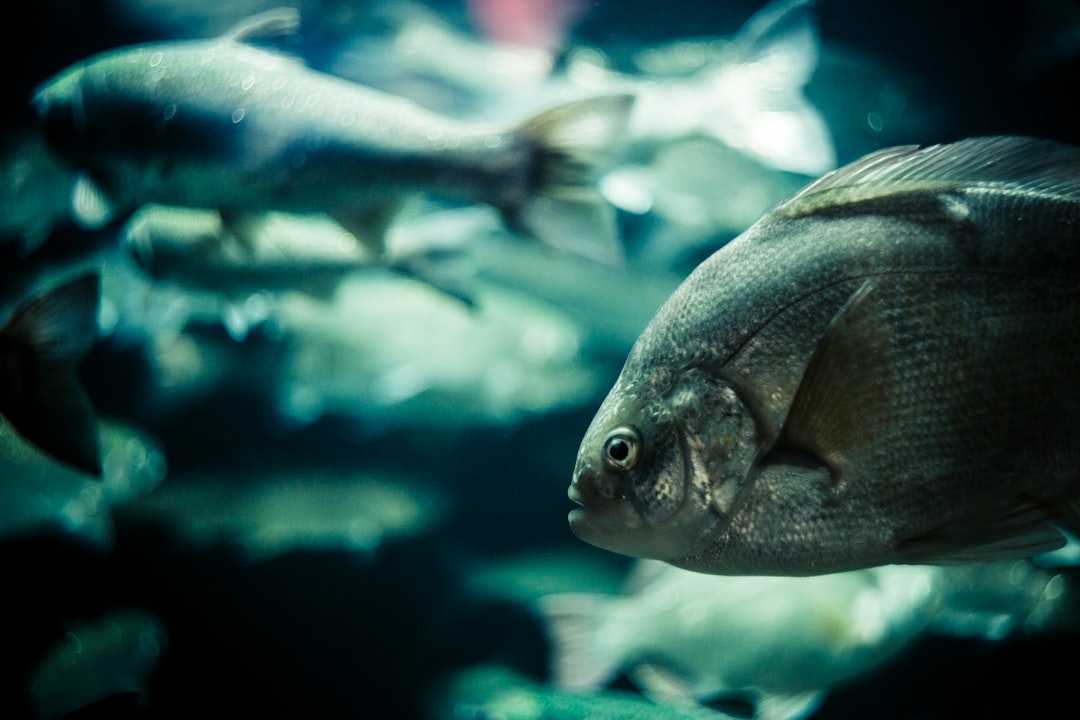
316 632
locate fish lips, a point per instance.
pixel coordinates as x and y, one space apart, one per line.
608 521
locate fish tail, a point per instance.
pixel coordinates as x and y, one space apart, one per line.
563 207
40 394
585 650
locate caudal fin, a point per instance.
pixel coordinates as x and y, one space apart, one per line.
571 144
40 394
585 652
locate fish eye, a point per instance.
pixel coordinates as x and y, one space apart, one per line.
622 449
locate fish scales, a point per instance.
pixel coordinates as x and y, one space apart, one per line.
900 353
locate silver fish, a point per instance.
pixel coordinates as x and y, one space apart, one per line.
884 369
783 642
222 124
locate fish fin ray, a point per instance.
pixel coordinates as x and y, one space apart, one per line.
584 654
1009 529
571 144
49 407
837 393
370 224
273 23
661 682
786 707
1008 161
91 208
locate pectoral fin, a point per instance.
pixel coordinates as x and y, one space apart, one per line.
840 395
91 208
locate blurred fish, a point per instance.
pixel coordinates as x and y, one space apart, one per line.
494 692
40 394
396 353
34 190
721 130
116 654
38 493
222 124
311 254
780 642
263 515
885 368
745 92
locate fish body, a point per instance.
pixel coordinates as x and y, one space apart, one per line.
885 368
780 642
223 124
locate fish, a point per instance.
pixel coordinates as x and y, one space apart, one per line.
40 494
34 186
190 247
883 369
41 396
115 654
261 515
392 352
224 124
781 643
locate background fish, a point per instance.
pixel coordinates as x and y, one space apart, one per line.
40 395
114 655
222 124
780 642
883 369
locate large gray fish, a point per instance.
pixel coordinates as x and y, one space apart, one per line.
223 124
884 369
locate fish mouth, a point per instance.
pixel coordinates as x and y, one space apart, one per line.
579 514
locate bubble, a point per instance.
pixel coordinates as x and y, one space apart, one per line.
875 121
238 115
156 59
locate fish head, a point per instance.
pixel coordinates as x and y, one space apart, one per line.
659 472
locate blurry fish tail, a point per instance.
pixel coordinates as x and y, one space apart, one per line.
40 394
563 207
585 652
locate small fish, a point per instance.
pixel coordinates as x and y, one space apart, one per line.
283 252
40 494
883 369
40 394
222 124
114 655
264 514
780 642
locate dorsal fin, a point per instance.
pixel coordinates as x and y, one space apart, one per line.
274 23
1041 167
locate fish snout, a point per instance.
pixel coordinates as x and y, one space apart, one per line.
587 488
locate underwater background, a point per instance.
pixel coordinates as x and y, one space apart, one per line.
345 496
